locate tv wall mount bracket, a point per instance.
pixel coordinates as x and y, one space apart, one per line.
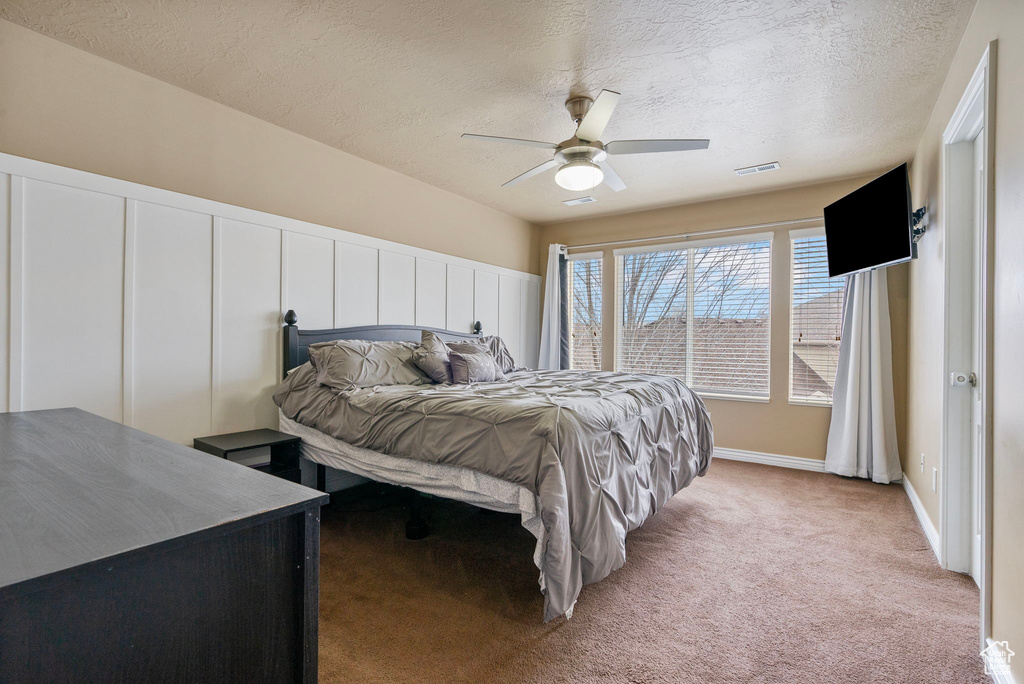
920 223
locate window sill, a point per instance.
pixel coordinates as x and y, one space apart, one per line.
802 402
732 397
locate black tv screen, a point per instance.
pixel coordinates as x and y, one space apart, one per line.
872 226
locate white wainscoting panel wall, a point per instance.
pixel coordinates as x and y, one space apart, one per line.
164 311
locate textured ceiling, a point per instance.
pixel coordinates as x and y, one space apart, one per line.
829 88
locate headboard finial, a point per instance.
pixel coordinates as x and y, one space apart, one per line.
290 318
478 328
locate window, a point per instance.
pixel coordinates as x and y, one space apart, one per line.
816 321
585 317
700 312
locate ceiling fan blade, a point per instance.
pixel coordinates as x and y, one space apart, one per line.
514 141
611 179
549 164
645 146
594 121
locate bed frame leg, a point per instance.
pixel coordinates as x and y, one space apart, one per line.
312 474
416 527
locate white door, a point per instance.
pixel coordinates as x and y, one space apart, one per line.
977 359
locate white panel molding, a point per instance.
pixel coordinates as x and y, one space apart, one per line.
172 325
777 460
17 295
460 299
531 322
215 319
128 313
73 311
510 313
83 180
332 278
485 301
431 293
355 266
5 291
927 526
396 289
284 272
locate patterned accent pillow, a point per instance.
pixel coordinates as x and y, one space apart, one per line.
492 344
432 357
501 353
474 367
359 363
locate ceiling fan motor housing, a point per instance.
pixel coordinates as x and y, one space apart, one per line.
575 149
578 107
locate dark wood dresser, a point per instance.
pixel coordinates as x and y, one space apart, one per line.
127 558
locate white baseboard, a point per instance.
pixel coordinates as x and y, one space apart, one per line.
927 525
770 459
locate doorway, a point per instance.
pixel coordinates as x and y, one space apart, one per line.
964 514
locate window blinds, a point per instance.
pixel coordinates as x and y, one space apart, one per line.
700 313
585 319
816 323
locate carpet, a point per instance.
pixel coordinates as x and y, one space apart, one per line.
751 574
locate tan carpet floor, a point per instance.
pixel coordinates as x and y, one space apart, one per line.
751 574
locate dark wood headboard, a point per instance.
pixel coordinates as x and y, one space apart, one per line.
296 341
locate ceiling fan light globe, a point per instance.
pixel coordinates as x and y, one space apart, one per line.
579 175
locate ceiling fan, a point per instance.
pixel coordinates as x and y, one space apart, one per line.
582 159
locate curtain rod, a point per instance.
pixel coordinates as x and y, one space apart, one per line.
684 236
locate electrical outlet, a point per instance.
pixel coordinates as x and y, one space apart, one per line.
922 464
935 479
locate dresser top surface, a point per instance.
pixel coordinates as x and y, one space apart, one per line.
76 488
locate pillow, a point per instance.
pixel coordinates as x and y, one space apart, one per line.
491 344
500 352
432 358
359 363
474 367
469 347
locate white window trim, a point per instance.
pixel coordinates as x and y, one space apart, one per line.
584 256
809 402
696 244
735 397
804 233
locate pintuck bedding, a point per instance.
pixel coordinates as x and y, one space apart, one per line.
602 451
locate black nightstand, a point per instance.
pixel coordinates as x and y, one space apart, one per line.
265 450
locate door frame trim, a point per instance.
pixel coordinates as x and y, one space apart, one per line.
974 113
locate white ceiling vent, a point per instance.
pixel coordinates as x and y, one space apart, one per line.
579 200
760 168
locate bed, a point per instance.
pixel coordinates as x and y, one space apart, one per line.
583 457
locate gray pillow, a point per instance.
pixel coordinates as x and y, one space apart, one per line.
474 367
359 363
492 344
500 352
469 347
432 357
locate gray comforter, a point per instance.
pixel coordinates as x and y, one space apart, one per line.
603 451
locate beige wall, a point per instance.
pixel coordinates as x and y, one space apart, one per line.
776 427
61 105
1001 20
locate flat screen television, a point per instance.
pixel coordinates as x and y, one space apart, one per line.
871 227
